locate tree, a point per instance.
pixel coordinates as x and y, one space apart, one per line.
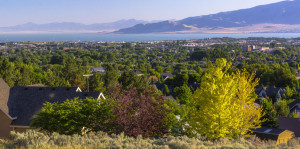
127 79
111 76
72 115
282 108
183 94
140 114
96 83
224 106
294 114
270 114
166 90
181 79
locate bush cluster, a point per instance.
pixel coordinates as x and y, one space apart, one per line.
34 139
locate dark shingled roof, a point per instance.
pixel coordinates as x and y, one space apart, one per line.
270 91
4 94
294 103
258 90
138 72
267 133
25 102
164 75
292 124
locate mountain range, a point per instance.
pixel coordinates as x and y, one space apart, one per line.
276 17
72 27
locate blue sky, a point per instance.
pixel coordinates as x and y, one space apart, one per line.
15 12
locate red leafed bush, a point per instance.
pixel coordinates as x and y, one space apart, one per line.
139 113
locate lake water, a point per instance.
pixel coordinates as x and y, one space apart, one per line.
128 37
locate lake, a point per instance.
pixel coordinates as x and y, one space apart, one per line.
56 37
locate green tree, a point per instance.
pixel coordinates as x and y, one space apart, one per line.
294 114
181 79
96 83
166 90
269 118
72 115
282 108
183 94
111 76
127 79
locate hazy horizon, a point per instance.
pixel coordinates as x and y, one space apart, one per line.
100 11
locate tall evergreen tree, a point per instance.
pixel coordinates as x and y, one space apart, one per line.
269 118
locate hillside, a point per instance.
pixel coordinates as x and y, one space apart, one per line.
276 17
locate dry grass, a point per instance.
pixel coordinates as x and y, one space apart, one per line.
33 139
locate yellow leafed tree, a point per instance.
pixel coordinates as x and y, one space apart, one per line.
224 106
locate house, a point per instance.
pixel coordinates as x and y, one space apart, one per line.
138 73
264 49
98 70
278 135
295 106
292 124
19 105
298 74
271 92
4 117
166 75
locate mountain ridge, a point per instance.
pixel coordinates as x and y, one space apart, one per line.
71 26
278 16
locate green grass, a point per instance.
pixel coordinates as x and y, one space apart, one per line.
33 139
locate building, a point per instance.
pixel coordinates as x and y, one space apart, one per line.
165 76
98 70
19 105
292 124
264 49
278 135
271 92
5 118
251 48
138 73
295 106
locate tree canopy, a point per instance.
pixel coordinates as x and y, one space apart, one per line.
224 106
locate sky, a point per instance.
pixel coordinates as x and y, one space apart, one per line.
15 12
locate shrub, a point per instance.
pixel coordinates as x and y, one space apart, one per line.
140 114
72 115
34 139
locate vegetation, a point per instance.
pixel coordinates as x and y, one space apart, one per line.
270 114
224 106
34 139
71 116
140 114
124 111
